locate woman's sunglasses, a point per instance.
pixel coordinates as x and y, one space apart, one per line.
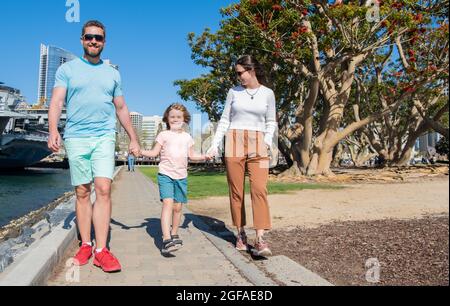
91 37
240 73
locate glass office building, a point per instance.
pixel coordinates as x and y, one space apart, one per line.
50 59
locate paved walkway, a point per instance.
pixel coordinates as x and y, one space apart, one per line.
136 241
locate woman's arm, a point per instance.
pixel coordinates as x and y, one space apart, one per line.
224 124
152 153
196 157
271 121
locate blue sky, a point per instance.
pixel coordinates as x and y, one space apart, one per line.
147 39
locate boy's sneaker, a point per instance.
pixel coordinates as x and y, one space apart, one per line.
106 260
261 249
177 241
168 247
241 242
83 255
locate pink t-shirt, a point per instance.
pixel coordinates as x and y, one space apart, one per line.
174 153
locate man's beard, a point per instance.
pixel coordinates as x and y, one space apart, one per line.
93 54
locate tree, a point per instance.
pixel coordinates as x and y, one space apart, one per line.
314 53
442 147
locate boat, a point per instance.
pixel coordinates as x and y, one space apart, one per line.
20 146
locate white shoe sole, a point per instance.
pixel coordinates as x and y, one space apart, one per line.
242 249
263 253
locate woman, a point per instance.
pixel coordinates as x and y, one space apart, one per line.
249 123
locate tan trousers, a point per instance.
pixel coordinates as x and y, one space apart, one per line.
247 150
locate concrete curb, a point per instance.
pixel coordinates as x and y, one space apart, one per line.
291 273
281 268
34 267
248 269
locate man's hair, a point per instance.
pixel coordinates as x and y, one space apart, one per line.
93 23
180 107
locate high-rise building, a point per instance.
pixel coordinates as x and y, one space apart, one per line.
150 128
427 142
136 121
50 59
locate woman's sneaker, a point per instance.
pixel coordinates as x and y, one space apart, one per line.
261 249
168 247
241 242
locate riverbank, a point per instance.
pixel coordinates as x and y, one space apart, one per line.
22 192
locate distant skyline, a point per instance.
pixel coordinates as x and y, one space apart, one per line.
146 39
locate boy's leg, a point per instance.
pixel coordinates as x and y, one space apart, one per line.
176 219
180 197
166 218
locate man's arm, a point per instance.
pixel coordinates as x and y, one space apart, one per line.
54 114
123 115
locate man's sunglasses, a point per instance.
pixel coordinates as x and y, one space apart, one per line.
90 37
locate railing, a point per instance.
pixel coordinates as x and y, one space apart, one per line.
31 136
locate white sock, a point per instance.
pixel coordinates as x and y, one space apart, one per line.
87 243
99 250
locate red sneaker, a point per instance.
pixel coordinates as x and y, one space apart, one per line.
83 255
106 260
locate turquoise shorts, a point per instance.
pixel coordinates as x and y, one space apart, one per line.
170 188
90 158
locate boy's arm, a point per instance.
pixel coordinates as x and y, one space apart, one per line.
152 153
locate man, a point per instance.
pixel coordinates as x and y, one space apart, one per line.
131 160
92 91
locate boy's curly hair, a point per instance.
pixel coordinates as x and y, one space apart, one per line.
180 107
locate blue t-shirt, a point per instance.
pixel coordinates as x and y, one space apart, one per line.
91 90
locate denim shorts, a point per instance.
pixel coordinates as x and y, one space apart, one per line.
170 188
90 157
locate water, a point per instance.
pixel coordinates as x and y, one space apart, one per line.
29 190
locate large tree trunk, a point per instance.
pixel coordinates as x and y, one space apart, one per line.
337 155
404 157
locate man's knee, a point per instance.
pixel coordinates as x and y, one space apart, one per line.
83 192
103 190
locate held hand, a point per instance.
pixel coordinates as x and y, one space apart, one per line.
134 148
269 151
54 142
212 153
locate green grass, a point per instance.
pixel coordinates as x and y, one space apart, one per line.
210 184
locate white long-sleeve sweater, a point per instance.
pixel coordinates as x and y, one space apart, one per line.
241 112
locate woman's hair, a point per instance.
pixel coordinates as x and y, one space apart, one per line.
251 63
180 107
